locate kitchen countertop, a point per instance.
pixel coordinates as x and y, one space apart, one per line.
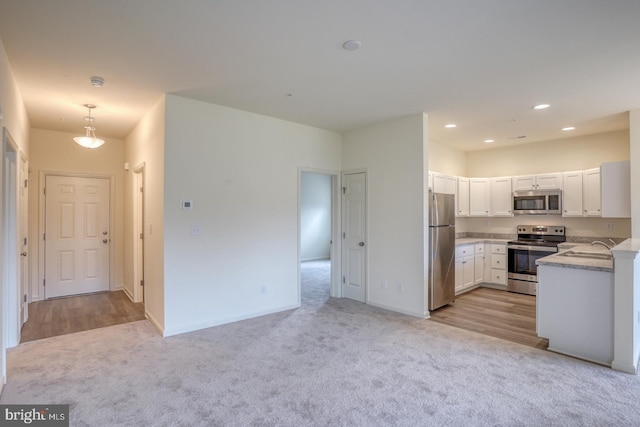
473 240
579 263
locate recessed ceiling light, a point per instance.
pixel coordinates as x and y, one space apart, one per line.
451 125
541 106
489 141
569 128
352 44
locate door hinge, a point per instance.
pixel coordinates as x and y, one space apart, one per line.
344 190
44 191
26 183
44 282
344 235
142 283
142 189
44 236
25 298
142 235
24 241
344 279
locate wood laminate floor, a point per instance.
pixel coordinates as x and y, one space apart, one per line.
493 312
62 316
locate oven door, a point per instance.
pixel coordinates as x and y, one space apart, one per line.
522 269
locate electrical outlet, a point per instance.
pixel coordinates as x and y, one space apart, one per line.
195 230
263 290
384 285
608 226
399 288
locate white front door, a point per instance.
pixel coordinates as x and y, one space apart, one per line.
77 236
354 236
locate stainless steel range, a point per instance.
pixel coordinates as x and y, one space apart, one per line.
534 242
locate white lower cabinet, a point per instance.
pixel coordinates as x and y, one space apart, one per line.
465 270
478 264
498 263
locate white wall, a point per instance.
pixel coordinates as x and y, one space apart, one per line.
145 145
394 156
558 155
447 160
315 216
634 136
241 171
56 151
14 118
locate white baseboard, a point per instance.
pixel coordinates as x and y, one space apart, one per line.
127 293
154 322
323 258
401 311
217 322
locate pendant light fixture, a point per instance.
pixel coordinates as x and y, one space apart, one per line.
89 140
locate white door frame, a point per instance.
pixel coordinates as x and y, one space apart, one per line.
23 218
138 202
41 224
366 225
10 244
336 246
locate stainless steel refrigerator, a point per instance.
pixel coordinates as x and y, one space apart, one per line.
442 248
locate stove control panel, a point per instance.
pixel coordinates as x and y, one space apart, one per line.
542 230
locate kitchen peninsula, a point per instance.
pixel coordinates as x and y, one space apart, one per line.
575 302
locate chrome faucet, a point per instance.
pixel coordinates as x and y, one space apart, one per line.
601 243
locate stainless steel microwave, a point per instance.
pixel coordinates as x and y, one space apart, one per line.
537 202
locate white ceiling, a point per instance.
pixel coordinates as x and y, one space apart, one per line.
480 64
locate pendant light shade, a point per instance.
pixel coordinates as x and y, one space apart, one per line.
89 140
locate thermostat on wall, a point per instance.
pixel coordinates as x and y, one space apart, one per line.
187 204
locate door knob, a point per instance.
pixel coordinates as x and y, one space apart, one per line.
23 254
361 244
105 241
104 233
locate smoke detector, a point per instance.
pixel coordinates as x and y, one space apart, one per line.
97 81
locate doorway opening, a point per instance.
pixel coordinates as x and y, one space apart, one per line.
319 242
11 280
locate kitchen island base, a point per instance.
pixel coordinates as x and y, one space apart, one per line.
575 312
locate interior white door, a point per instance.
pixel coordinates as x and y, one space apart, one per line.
23 216
354 235
77 236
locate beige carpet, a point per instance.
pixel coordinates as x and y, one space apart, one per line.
331 363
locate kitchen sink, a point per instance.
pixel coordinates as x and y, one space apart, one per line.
584 254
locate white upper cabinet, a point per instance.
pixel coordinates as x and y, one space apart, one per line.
501 196
537 182
444 183
572 194
462 200
615 183
479 197
591 192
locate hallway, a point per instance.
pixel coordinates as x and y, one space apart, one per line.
63 316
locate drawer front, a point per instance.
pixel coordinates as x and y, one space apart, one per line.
479 248
498 276
465 250
498 249
499 261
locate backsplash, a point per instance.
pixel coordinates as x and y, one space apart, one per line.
570 239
